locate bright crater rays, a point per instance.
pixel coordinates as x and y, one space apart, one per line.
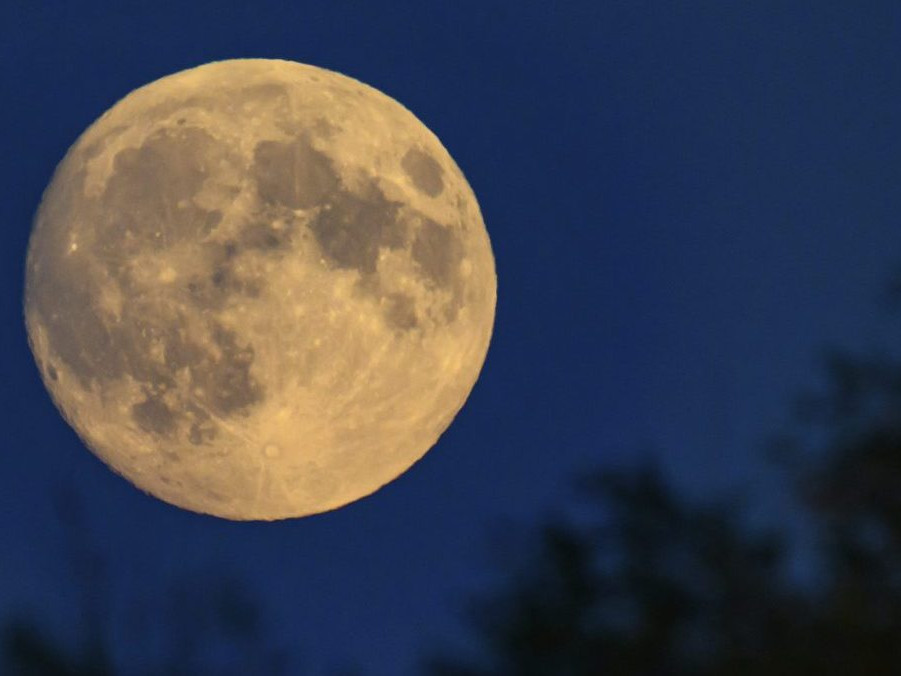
259 289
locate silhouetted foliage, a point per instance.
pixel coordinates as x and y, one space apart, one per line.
29 653
658 585
206 624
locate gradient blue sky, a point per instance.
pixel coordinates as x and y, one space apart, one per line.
686 200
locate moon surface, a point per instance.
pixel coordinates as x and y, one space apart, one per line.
259 289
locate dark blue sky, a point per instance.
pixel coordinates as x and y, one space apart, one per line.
686 201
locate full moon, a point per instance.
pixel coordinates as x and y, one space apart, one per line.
259 289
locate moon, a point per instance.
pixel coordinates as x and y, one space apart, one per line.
259 289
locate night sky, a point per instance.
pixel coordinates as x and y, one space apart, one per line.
687 202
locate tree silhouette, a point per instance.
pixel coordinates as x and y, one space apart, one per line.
659 585
209 624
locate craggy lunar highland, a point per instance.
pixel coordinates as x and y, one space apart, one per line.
259 289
